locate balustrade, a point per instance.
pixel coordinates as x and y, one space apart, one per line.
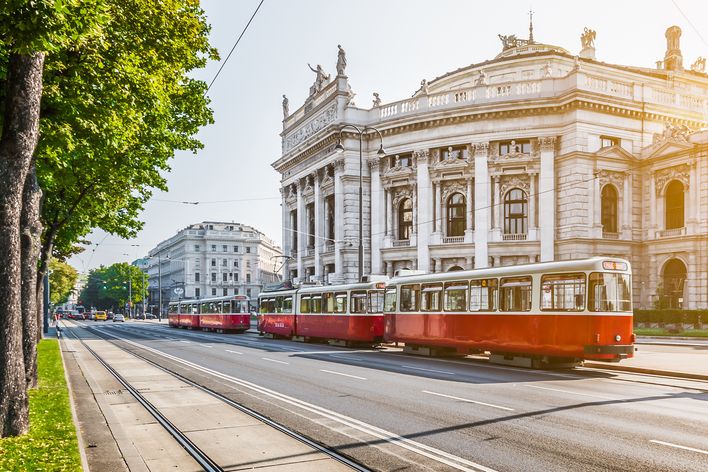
514 237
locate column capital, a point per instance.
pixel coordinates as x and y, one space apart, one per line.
421 156
338 164
480 148
547 143
374 164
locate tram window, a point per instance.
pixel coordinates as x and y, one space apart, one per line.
226 307
215 307
328 303
305 304
287 304
431 297
516 294
456 296
609 292
483 295
173 309
278 305
267 305
358 301
316 306
205 308
390 300
376 301
409 297
340 302
563 292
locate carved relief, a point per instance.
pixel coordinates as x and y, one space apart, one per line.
664 176
615 178
480 149
308 189
421 155
452 188
310 128
514 181
291 193
672 133
547 143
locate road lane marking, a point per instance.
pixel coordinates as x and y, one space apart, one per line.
234 352
428 370
468 400
700 451
456 462
273 360
183 341
206 345
340 373
573 393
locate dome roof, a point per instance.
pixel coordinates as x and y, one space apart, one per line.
531 48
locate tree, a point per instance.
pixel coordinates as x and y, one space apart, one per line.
62 280
113 286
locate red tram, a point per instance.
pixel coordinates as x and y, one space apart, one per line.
533 314
350 313
216 314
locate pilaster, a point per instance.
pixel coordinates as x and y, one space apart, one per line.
481 199
318 225
424 209
377 215
547 198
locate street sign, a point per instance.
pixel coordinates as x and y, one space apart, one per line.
179 291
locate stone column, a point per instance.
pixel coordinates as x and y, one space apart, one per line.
692 288
597 209
627 206
339 219
469 233
547 198
438 207
425 209
694 202
377 216
389 215
532 206
301 231
481 199
318 226
498 207
651 234
285 218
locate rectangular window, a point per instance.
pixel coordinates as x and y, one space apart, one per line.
197 292
483 295
328 303
456 296
376 301
516 294
316 306
225 276
226 291
235 263
196 276
248 292
358 301
409 297
390 300
236 276
224 263
213 291
213 276
196 247
340 302
287 304
609 292
563 292
305 302
225 248
512 147
213 262
248 278
431 297
235 248
213 248
608 141
248 250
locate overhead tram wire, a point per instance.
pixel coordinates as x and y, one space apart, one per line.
690 22
234 47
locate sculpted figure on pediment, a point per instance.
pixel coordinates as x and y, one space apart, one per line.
674 133
587 39
321 79
308 185
508 41
664 176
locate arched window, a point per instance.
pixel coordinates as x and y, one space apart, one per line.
455 268
674 279
674 205
456 222
405 219
609 209
515 212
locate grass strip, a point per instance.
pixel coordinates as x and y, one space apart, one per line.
51 444
690 333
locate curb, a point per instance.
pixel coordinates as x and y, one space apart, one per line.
639 370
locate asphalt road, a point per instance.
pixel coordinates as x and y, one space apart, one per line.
391 411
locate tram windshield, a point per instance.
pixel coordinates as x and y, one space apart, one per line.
390 300
610 292
376 301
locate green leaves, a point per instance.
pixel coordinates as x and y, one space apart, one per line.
108 287
62 279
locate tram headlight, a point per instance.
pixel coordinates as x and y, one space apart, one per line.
618 338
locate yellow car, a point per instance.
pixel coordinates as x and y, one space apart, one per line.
101 316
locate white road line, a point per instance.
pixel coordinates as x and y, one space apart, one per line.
339 373
183 341
428 370
206 345
573 393
456 462
700 451
273 360
234 352
468 401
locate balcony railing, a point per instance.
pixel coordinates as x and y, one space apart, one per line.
310 251
514 237
453 240
402 243
610 235
667 233
328 248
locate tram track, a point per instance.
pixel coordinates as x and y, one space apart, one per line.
204 461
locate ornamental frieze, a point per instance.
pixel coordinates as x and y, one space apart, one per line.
453 188
664 176
310 128
514 181
615 178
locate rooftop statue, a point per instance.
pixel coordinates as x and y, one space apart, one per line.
341 60
377 100
321 79
482 78
699 65
286 107
587 39
508 41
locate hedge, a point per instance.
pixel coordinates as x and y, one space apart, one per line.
694 317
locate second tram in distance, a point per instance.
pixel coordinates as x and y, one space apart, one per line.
219 314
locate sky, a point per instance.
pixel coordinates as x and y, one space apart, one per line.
391 45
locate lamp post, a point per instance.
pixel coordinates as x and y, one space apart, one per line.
380 153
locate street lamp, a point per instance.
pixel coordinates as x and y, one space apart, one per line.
380 153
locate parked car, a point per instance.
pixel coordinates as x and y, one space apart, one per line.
109 315
100 316
150 316
118 317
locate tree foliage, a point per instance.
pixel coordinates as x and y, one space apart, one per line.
62 280
109 287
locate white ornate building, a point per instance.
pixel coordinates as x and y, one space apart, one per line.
535 155
212 259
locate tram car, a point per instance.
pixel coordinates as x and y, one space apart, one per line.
533 314
220 314
351 314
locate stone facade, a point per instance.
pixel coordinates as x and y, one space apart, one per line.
213 259
535 155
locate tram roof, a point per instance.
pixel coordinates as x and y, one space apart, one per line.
593 263
212 299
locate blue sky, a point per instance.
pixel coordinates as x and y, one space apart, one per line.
391 45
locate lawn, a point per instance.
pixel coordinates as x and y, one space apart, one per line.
691 333
51 444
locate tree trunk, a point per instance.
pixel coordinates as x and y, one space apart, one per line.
31 230
17 143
